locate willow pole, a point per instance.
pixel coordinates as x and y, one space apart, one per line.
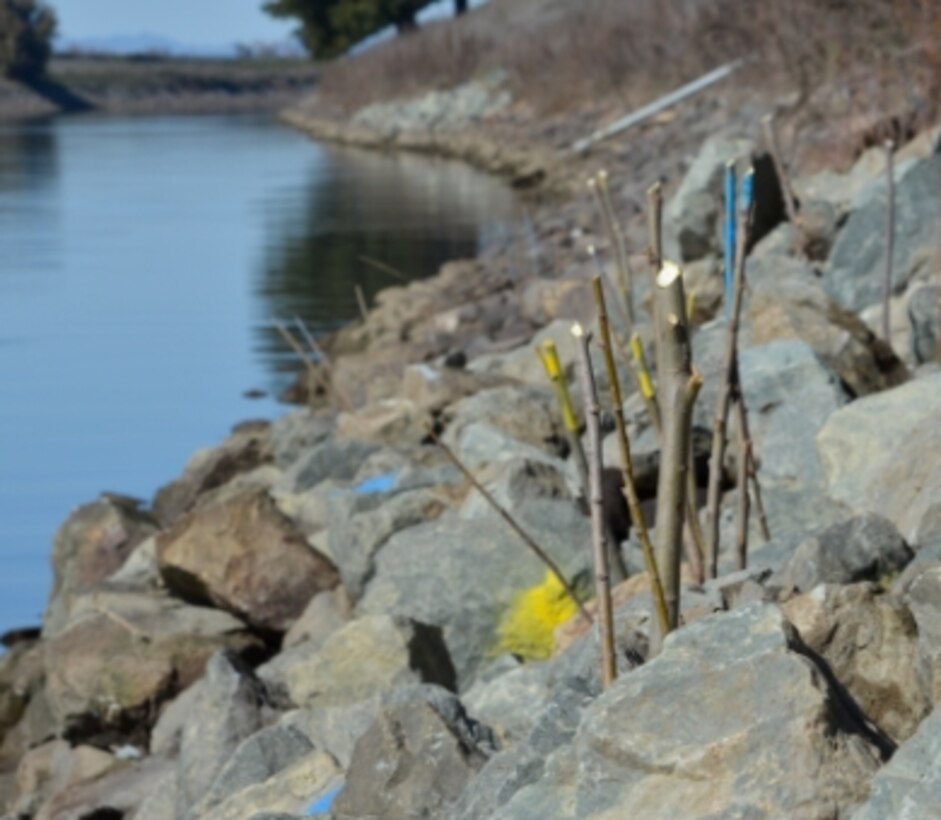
678 385
326 364
598 539
620 244
787 190
629 487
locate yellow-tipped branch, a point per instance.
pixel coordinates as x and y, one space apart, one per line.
627 466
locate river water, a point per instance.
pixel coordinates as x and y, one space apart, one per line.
142 263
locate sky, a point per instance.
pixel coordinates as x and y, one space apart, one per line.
203 22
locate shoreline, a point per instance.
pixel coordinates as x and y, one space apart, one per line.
118 86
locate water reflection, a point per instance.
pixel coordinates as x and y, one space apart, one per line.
411 213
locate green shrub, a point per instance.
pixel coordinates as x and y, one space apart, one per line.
26 31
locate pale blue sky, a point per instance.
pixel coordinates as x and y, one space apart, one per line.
210 22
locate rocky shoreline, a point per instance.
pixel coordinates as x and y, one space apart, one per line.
159 86
320 616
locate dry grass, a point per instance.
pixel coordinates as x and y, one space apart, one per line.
868 55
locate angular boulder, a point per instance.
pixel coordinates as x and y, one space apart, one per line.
463 574
870 641
854 274
122 654
878 453
248 447
368 656
245 557
92 544
414 761
771 736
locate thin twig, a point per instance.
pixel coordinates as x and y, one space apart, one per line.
620 244
730 226
609 670
313 371
742 420
655 256
744 455
361 302
326 364
627 466
382 266
787 190
889 239
525 537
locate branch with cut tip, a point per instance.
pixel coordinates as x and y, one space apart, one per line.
627 466
596 501
678 386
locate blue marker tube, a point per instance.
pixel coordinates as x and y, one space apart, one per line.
729 233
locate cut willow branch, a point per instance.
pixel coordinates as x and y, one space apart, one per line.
655 256
620 244
524 536
342 398
742 420
313 371
361 302
382 266
729 381
679 386
889 239
600 547
627 466
549 356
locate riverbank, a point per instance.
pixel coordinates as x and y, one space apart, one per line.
160 86
323 615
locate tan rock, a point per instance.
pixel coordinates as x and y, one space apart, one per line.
244 556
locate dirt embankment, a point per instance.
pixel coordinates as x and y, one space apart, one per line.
156 86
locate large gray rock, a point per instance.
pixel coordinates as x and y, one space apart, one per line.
691 216
368 656
354 540
527 414
122 654
908 787
334 458
924 314
921 592
414 761
870 641
463 574
803 752
878 454
787 301
295 433
864 548
789 394
256 759
854 275
289 792
513 481
228 707
93 543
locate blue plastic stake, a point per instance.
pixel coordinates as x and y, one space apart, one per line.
729 233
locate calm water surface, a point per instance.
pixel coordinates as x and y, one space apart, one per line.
142 262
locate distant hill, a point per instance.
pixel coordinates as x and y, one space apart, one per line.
129 45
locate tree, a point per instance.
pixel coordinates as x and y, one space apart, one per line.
26 31
329 28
